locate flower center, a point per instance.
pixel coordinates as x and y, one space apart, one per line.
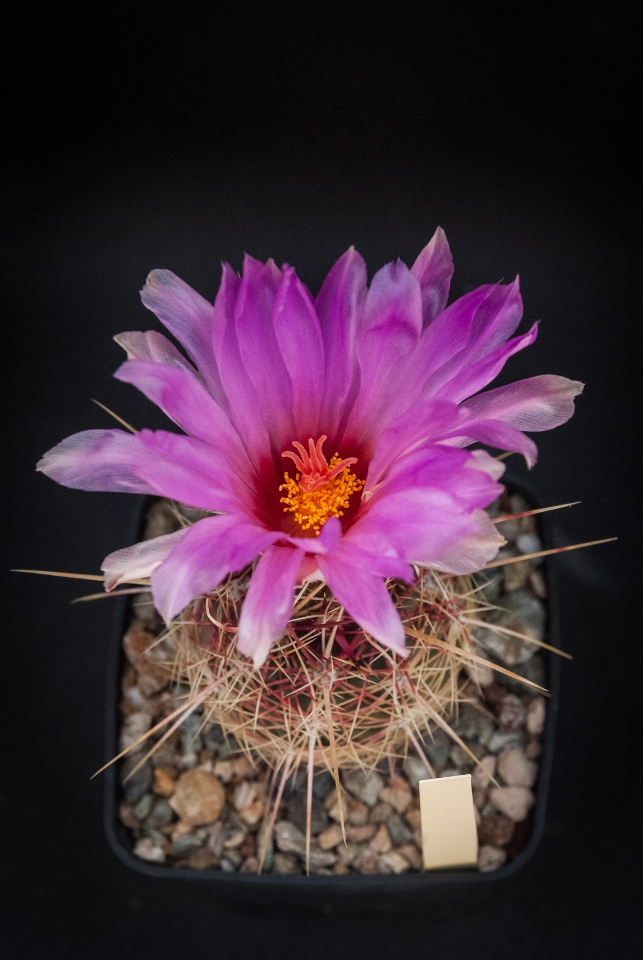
319 490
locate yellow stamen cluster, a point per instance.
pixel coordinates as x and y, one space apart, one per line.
313 508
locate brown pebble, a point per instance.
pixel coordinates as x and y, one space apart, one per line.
203 859
330 837
164 781
151 668
381 812
411 853
250 865
368 862
198 797
398 794
361 833
242 768
381 842
253 814
495 829
414 818
223 770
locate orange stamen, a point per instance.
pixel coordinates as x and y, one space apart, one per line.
320 489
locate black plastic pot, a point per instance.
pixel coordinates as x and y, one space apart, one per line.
385 888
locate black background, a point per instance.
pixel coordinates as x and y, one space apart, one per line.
164 137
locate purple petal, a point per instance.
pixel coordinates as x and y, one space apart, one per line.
153 346
339 305
97 460
434 270
501 435
300 341
186 401
139 560
473 551
239 390
411 430
417 524
366 599
259 351
205 555
472 378
188 470
188 316
269 601
391 327
539 403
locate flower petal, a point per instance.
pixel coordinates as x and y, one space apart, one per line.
153 346
139 560
192 472
208 552
390 329
241 396
259 350
434 270
473 551
366 599
188 316
269 601
300 341
500 435
186 401
339 305
97 460
469 379
539 403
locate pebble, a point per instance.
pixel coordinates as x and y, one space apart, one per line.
199 797
398 794
398 830
412 855
164 781
359 834
482 774
330 837
511 713
536 713
159 816
187 844
496 829
151 665
514 802
394 862
490 858
138 783
529 543
134 726
381 842
286 863
513 739
365 786
516 770
473 726
521 613
368 862
146 849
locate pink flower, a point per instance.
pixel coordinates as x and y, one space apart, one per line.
325 436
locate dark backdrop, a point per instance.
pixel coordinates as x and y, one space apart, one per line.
162 137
